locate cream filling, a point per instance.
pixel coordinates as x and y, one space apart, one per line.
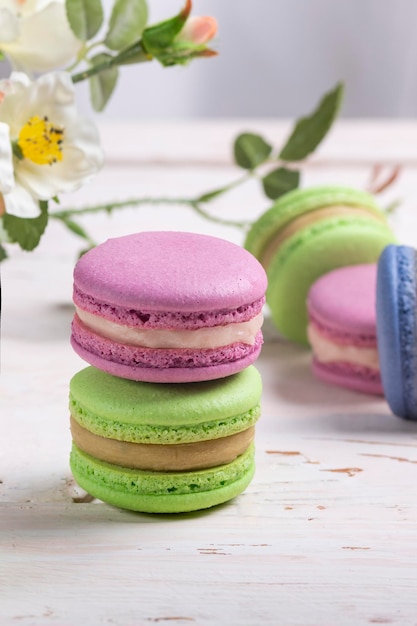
308 219
205 338
326 351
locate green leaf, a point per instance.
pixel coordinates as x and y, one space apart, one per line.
279 181
84 251
27 232
75 228
392 206
85 17
210 195
160 36
127 21
251 150
309 131
3 254
182 54
102 84
17 150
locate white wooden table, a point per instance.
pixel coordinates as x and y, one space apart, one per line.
326 533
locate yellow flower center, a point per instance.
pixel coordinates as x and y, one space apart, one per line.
41 141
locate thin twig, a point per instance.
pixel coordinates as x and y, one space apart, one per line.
110 207
375 187
218 220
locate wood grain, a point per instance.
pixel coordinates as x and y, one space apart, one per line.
326 533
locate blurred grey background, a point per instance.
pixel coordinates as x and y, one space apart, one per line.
277 57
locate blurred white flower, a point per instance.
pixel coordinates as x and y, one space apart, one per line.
55 149
35 34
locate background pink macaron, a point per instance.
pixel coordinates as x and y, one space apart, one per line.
342 328
168 307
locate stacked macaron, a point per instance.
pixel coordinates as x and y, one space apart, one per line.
180 309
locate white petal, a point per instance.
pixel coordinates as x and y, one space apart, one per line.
6 160
15 83
47 181
45 42
55 88
19 79
9 25
52 95
4 235
32 6
20 203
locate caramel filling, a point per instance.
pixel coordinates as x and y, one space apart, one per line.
308 219
162 458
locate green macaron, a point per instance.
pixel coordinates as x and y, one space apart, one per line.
173 413
307 233
162 492
163 448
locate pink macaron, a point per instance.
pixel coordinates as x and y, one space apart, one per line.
342 328
168 307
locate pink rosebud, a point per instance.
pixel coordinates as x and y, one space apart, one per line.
198 30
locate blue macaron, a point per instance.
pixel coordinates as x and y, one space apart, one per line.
397 328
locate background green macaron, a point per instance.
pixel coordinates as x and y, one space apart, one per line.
308 233
170 414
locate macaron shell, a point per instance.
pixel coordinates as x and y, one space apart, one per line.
397 328
170 271
170 374
311 253
349 377
344 301
161 365
157 492
300 201
172 320
150 413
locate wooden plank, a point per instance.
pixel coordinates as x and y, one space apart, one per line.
209 142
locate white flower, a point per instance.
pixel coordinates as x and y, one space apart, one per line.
55 150
35 34
14 199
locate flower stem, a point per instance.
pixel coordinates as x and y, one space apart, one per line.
80 57
111 206
93 70
134 54
210 195
218 220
